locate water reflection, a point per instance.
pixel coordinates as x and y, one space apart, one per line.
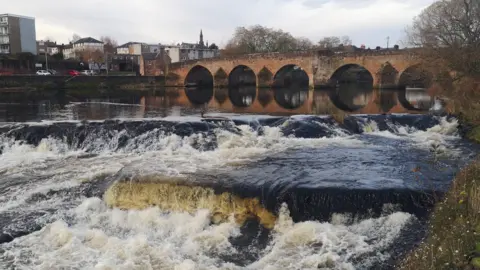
351 97
199 95
419 98
265 96
221 95
173 101
416 99
242 96
387 100
290 98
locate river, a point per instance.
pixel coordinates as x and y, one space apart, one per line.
163 182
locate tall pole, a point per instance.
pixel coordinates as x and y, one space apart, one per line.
388 41
106 61
46 58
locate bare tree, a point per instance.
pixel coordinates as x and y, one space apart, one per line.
304 44
346 41
75 37
48 38
259 39
329 42
448 33
90 55
334 42
110 44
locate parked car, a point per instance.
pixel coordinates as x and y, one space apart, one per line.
86 72
43 72
52 71
73 72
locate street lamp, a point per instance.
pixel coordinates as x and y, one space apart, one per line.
46 57
106 60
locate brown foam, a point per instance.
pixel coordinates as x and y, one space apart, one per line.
178 195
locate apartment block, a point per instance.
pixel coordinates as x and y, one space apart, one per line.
17 34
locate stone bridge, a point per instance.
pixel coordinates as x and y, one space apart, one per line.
313 69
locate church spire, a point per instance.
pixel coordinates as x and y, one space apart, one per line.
201 39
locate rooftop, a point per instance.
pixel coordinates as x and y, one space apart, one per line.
14 15
87 40
129 43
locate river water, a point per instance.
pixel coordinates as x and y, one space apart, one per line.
153 183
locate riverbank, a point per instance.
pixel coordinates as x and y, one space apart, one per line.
453 240
55 83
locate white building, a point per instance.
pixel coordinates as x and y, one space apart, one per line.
81 45
179 53
47 46
173 52
137 48
190 51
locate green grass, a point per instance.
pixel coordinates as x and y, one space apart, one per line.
454 229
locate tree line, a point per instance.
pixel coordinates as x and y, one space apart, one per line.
261 39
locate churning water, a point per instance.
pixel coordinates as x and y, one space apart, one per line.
221 192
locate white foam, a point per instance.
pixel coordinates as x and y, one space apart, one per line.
103 238
437 139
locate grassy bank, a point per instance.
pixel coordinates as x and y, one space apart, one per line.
453 240
454 227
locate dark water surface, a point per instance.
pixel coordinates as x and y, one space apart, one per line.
354 195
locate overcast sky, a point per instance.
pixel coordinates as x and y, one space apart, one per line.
367 22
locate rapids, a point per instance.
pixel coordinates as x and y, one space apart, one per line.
222 192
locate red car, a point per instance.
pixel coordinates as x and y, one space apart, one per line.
73 73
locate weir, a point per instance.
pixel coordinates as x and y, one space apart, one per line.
268 187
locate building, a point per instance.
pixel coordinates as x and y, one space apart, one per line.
154 63
190 51
85 47
68 52
17 34
173 52
124 62
137 48
47 46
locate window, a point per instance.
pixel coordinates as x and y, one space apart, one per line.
4 20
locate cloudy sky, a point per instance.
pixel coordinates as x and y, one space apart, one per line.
367 22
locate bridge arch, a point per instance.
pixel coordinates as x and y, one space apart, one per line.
242 86
199 76
220 78
265 77
388 76
291 76
415 77
242 75
351 74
